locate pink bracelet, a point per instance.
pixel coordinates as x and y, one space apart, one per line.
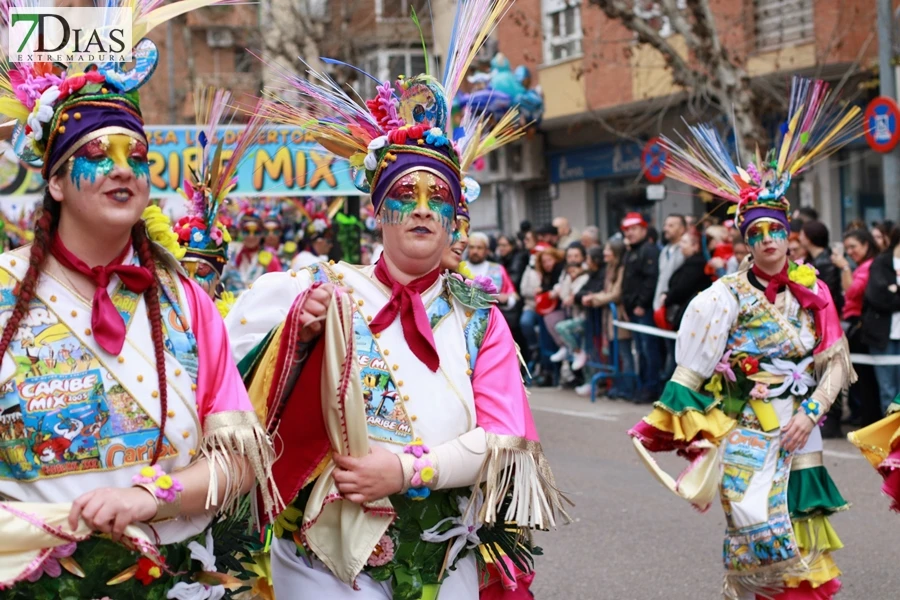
423 471
165 489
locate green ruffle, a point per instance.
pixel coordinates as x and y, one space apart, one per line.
812 492
678 399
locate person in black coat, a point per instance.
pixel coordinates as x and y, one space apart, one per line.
513 259
688 280
814 237
881 317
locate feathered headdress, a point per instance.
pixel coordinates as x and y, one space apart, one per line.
201 232
62 107
817 126
406 125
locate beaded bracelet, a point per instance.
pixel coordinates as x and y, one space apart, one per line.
423 471
164 488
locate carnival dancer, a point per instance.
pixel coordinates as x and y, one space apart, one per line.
386 418
253 260
761 357
317 236
139 428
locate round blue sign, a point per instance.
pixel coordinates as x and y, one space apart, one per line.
653 160
881 122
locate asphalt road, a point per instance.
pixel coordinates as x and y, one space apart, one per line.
634 540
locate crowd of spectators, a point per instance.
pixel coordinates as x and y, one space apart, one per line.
567 288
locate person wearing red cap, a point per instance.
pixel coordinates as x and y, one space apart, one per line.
638 288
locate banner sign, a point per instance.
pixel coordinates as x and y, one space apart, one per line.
284 162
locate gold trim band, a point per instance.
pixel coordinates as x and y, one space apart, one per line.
807 461
689 379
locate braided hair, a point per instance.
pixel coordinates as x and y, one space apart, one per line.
45 225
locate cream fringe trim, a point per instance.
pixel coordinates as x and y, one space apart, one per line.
841 351
229 437
518 465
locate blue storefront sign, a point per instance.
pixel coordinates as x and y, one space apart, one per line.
596 162
284 161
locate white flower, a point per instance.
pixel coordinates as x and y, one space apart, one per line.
205 555
378 143
42 111
436 131
465 527
195 591
795 376
371 161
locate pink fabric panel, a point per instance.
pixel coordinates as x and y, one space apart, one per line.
507 287
853 297
828 324
501 405
219 385
807 592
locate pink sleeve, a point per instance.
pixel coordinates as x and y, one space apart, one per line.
828 324
501 404
219 385
507 287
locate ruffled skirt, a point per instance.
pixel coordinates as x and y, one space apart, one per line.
880 444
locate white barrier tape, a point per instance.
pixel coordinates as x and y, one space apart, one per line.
856 359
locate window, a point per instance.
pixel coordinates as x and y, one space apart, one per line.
387 65
653 14
243 61
562 29
780 23
400 9
539 205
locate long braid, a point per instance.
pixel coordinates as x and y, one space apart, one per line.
44 225
154 313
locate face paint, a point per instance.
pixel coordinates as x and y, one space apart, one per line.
462 231
250 229
99 157
419 190
203 275
758 232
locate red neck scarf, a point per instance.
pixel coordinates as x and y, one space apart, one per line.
106 322
406 300
805 296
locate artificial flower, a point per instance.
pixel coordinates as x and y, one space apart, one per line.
805 275
195 591
749 194
485 284
418 494
42 111
383 552
714 386
417 448
370 162
224 303
811 407
796 379
288 520
147 571
464 528
760 391
226 235
216 236
749 365
724 367
50 566
204 554
265 257
74 83
378 143
197 236
436 137
167 488
148 474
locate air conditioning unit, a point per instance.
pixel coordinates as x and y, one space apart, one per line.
219 37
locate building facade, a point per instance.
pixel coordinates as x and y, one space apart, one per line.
606 96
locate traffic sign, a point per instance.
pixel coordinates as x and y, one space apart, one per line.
653 161
882 124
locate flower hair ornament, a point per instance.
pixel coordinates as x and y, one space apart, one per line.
404 126
62 107
819 123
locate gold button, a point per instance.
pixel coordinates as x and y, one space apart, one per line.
468 356
61 129
171 413
12 262
293 273
243 321
468 313
65 117
340 275
140 378
369 319
249 286
155 394
87 332
387 352
395 367
78 116
192 452
177 372
414 418
186 434
406 398
74 313
468 371
52 298
377 335
194 387
360 302
350 291
121 359
330 262
400 383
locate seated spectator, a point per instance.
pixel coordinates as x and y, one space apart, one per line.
881 317
815 239
529 287
571 330
613 275
550 267
796 250
687 281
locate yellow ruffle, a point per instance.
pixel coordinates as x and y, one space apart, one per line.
714 425
821 571
819 532
877 440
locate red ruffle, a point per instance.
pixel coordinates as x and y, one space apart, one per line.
890 470
806 591
657 440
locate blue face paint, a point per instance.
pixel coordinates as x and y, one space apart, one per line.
758 232
99 157
414 190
